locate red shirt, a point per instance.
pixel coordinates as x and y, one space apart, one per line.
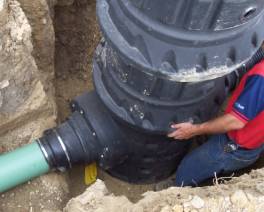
247 104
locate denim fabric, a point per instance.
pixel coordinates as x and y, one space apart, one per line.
212 158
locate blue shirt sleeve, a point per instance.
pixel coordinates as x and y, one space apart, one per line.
251 101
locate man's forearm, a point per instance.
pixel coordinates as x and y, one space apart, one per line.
221 124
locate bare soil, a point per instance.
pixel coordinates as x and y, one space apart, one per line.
77 35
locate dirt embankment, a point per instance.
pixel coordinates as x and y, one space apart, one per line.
245 193
27 105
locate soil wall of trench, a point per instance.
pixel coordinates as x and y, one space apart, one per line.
46 49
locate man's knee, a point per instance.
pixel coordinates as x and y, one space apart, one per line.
184 173
199 165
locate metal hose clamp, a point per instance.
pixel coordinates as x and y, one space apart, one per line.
63 147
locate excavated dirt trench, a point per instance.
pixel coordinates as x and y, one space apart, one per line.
77 35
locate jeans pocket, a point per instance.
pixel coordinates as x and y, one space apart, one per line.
235 161
245 160
245 155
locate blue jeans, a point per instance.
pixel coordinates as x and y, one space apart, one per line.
212 158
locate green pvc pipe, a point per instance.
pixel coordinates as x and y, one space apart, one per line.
21 165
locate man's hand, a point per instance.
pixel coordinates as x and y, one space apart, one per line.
222 124
183 131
